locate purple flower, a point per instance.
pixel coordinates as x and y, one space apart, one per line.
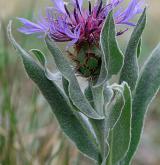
79 25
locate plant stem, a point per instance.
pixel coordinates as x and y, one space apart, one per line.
99 129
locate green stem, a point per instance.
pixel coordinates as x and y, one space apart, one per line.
96 94
99 129
109 162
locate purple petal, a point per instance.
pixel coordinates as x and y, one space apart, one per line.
59 6
30 27
80 3
115 3
133 8
77 24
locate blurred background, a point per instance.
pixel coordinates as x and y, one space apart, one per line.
29 133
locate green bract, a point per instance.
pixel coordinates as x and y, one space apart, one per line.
105 120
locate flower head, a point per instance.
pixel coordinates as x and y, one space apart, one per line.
81 27
71 22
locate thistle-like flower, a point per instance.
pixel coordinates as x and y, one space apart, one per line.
81 27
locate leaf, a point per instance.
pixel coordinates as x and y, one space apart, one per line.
108 94
112 114
100 132
98 98
56 77
139 48
115 106
102 78
130 70
120 134
67 118
65 86
98 125
103 73
75 92
146 88
40 56
89 96
109 46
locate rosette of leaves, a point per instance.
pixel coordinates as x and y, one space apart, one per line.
106 120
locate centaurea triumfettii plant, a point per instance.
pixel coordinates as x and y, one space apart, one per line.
104 120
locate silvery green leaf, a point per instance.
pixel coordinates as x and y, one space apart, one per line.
108 94
65 86
98 98
98 125
130 70
112 114
139 48
40 56
75 92
109 46
103 73
89 96
56 77
102 78
120 134
115 106
100 131
95 125
68 119
147 86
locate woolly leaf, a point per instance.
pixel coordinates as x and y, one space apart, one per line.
139 48
146 88
109 46
120 134
41 58
98 125
115 106
130 70
98 98
68 119
108 94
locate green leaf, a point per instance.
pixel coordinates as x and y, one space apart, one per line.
115 106
40 56
68 119
89 96
103 73
98 125
98 98
109 46
65 86
100 132
146 88
108 94
130 70
75 92
139 48
120 134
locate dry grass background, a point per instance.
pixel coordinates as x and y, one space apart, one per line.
29 134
